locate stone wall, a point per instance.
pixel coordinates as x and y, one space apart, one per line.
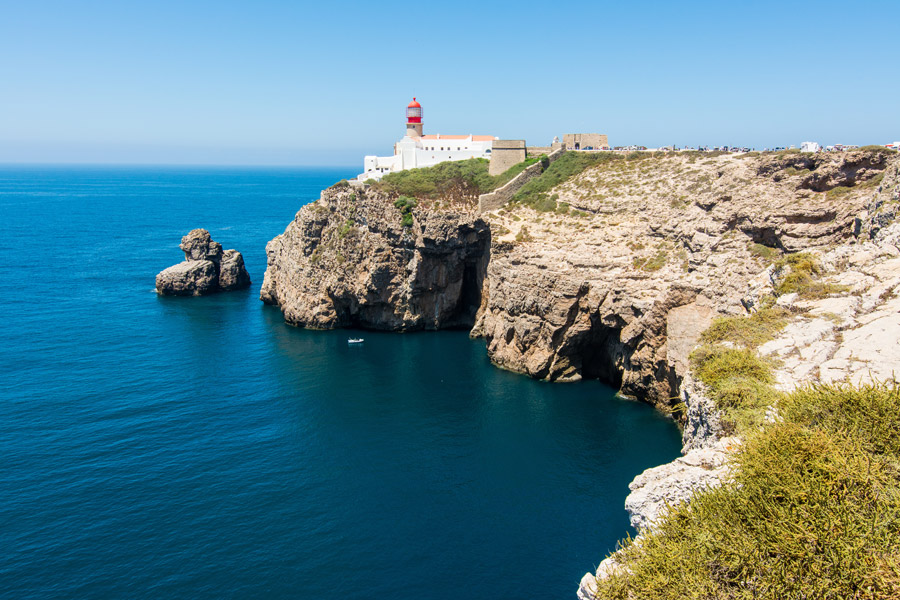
504 194
582 141
505 154
538 150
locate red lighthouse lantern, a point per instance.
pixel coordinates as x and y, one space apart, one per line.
414 119
414 112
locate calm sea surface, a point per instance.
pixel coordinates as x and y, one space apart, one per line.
200 448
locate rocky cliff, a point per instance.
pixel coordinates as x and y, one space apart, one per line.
641 254
616 277
616 283
353 258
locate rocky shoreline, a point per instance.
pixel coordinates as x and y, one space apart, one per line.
620 280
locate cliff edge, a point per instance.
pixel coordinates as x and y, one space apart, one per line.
355 259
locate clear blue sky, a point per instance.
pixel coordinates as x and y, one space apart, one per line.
294 83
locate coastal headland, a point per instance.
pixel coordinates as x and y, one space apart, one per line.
615 267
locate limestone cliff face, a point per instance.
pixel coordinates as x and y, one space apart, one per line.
617 286
851 335
593 292
348 260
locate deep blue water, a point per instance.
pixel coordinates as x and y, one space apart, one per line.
200 448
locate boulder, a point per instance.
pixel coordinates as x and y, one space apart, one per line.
198 245
205 270
232 274
188 278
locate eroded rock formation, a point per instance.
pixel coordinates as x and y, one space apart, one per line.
206 269
619 281
348 259
593 292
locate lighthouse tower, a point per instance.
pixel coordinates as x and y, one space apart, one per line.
414 119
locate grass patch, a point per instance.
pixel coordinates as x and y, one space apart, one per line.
523 235
802 275
836 193
651 263
763 252
878 149
748 332
870 414
791 171
570 164
456 181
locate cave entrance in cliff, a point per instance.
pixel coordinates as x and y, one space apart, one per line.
469 294
600 352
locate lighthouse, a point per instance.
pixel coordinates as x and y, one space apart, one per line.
414 119
419 150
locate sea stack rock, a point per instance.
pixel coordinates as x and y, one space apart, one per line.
206 269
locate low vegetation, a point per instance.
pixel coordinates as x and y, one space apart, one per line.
510 174
405 204
811 511
739 383
811 506
651 263
453 181
462 180
536 194
764 253
747 332
801 273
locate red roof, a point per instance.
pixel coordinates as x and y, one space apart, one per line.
414 104
475 138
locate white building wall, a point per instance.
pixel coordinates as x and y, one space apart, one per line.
410 153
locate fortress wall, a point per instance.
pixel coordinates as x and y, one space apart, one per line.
505 154
538 150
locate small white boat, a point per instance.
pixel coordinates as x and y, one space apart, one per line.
355 340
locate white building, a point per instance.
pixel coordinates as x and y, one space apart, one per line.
810 147
417 150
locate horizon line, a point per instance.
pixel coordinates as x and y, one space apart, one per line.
186 165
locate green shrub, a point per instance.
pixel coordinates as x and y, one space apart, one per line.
749 332
510 174
802 277
738 381
651 263
462 180
811 510
878 149
869 414
346 228
523 235
405 204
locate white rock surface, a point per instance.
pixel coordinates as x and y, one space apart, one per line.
667 485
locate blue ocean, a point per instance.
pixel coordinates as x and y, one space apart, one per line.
200 448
